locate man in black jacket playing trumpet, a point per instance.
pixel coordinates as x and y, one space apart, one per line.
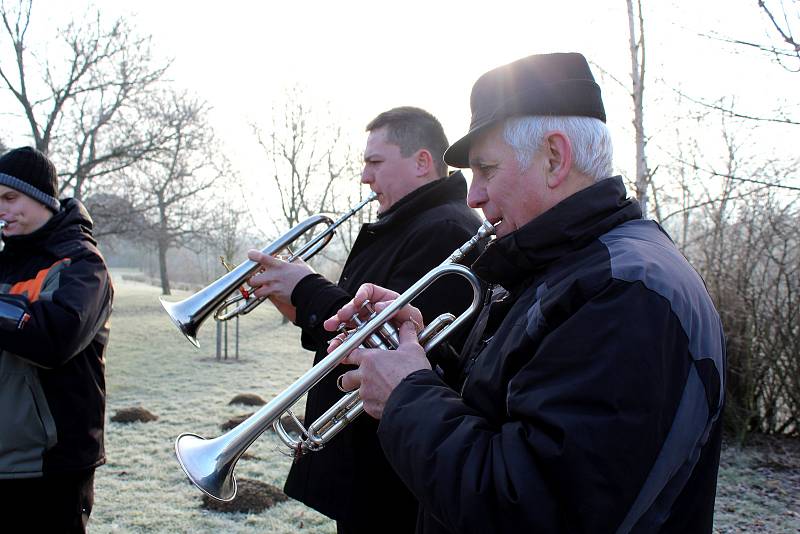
422 218
593 383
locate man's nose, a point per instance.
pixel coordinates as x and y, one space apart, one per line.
476 197
366 176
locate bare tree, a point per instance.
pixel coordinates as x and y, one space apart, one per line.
114 214
780 20
170 184
313 169
734 211
80 99
780 17
230 232
638 63
752 264
743 240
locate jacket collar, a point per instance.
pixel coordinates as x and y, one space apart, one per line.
568 226
431 195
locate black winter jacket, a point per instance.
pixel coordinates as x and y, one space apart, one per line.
52 387
592 403
350 479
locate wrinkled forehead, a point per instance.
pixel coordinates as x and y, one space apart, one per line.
488 144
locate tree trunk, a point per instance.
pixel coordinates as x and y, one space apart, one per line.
637 52
162 266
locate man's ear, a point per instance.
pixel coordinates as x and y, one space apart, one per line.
558 150
424 161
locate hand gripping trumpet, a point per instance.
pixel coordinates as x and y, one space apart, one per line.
215 299
209 463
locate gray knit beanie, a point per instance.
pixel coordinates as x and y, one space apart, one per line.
30 172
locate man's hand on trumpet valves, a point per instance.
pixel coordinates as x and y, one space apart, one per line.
379 297
277 280
380 371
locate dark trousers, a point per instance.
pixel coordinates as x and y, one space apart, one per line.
396 525
55 504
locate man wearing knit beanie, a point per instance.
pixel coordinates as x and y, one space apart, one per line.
29 172
55 300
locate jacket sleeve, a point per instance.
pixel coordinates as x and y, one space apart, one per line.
317 299
65 316
568 444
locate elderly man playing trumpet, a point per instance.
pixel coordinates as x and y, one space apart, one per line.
592 384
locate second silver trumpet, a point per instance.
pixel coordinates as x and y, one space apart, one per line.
209 463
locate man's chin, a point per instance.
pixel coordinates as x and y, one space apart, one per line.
502 230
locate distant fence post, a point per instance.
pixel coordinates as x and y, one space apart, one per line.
219 338
222 339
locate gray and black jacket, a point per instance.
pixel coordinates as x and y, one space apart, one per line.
52 387
592 400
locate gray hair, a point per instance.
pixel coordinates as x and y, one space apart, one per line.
591 142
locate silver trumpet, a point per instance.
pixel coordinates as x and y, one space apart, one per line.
3 224
209 463
217 297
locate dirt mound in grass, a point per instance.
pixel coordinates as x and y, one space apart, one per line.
248 399
251 496
133 415
234 421
287 421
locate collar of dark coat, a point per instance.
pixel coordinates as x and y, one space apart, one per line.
72 222
431 195
570 225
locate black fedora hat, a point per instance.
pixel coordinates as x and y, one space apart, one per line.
544 84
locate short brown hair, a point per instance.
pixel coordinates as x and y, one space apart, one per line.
412 129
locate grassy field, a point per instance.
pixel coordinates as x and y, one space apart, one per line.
151 365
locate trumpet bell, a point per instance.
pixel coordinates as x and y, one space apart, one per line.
208 465
190 313
182 319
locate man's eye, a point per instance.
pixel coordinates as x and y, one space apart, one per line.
487 170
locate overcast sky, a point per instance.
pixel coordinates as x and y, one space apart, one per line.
365 57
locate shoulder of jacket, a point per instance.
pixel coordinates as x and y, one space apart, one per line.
450 217
77 249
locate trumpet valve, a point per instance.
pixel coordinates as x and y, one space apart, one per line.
384 337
